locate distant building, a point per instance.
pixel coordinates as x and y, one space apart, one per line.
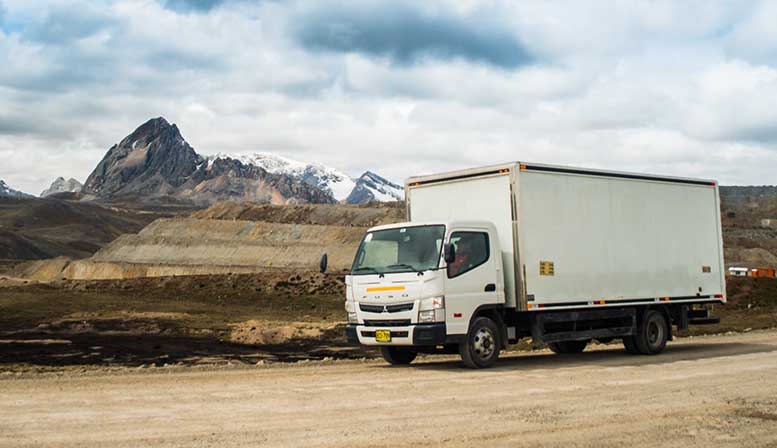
763 272
752 272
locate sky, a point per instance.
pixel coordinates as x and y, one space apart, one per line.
397 87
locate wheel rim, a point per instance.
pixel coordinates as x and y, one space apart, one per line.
654 333
483 343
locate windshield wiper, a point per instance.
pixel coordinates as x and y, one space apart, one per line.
366 268
403 265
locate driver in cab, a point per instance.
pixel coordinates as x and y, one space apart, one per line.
463 260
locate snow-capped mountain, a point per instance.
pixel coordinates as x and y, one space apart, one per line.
60 185
6 191
370 188
367 188
155 161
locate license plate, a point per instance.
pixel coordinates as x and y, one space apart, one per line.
383 335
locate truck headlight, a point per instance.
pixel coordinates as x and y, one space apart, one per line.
350 309
432 310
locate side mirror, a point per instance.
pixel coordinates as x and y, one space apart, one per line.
322 264
449 252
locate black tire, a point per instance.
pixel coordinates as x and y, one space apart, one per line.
565 347
630 344
480 349
652 333
398 356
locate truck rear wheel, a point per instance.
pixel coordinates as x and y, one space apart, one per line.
567 346
652 333
480 349
398 356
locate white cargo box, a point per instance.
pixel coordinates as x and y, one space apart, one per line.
579 237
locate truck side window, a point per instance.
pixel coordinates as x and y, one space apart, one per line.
471 251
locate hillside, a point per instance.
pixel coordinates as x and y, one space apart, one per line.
32 228
229 238
357 215
746 242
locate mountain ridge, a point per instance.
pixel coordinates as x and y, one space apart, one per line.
7 192
155 161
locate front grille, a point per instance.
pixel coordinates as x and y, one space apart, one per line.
386 308
387 323
400 307
394 334
371 308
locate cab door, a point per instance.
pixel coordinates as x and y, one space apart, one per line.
471 279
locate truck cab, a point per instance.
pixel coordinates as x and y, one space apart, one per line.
415 287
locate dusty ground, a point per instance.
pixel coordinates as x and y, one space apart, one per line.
218 319
708 391
211 319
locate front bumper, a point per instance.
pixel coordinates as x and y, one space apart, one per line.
420 335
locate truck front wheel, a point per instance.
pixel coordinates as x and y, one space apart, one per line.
398 356
480 349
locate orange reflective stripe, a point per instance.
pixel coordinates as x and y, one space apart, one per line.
385 288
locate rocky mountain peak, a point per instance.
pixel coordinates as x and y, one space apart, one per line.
154 159
60 185
371 187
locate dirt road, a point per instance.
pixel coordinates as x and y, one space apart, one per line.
709 391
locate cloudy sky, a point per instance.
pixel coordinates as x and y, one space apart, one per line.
398 87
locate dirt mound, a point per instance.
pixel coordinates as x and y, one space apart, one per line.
329 215
218 243
262 333
43 270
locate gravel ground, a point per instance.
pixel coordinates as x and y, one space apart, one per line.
705 391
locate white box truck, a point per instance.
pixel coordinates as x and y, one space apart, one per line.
562 255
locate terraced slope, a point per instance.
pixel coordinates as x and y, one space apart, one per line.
229 238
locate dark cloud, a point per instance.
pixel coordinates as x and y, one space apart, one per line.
118 62
15 126
765 134
407 35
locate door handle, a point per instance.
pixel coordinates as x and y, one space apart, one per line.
490 287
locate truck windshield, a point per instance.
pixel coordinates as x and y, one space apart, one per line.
404 249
